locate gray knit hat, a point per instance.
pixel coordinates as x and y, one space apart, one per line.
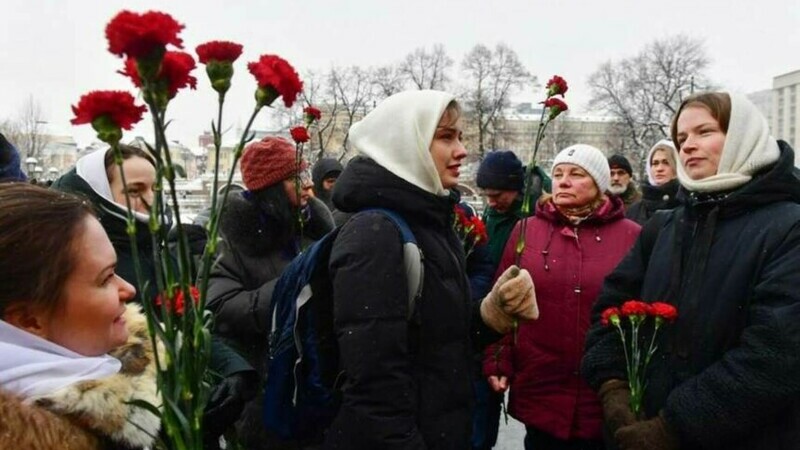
589 159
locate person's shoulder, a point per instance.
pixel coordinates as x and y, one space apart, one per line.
32 426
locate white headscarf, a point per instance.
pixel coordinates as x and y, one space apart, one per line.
31 366
664 144
397 135
92 168
748 149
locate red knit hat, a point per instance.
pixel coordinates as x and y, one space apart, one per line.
269 161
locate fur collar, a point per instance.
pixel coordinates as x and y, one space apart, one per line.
102 405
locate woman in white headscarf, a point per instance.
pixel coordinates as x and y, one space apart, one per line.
407 382
661 189
726 372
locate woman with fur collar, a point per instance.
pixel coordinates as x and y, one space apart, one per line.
96 177
73 355
726 372
661 189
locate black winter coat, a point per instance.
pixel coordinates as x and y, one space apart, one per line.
250 261
407 384
727 372
654 198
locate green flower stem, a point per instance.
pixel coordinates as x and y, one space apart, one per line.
211 244
297 189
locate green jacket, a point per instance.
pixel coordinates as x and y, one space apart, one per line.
499 226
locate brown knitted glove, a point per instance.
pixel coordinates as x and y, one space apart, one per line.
616 398
494 316
653 434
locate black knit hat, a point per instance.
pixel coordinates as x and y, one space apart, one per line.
620 162
501 170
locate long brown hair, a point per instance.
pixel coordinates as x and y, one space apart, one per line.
38 228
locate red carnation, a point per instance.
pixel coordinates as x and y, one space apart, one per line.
635 308
610 315
177 304
174 73
479 230
139 35
275 77
556 105
220 51
300 134
664 311
312 112
556 86
109 112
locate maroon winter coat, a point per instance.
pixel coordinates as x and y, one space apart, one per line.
568 264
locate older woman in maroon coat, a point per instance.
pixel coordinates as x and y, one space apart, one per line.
576 238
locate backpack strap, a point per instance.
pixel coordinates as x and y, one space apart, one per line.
412 257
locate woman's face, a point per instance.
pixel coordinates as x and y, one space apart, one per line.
88 319
140 178
700 141
447 150
660 167
306 189
573 187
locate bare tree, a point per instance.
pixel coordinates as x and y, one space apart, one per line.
493 77
10 129
643 91
388 80
352 88
427 70
319 94
31 121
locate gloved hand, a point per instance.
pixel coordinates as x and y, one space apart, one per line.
512 297
227 401
615 396
653 434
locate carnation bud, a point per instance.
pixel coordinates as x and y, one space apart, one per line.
220 74
266 95
107 130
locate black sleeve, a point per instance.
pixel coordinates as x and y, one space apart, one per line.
379 401
238 311
225 361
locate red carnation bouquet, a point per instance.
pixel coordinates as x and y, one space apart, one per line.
638 314
149 47
470 229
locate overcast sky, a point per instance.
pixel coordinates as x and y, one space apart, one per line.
55 50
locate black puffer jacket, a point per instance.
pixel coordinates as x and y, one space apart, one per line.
654 198
249 264
407 384
727 373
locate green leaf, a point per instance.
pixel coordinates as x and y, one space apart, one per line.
179 170
145 405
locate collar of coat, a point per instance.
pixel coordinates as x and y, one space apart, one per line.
103 406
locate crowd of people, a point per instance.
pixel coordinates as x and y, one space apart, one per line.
713 230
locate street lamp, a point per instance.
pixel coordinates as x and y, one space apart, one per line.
31 163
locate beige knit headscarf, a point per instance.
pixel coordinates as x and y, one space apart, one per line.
748 149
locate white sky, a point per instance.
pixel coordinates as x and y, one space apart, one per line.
55 50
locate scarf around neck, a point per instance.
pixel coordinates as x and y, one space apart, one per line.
31 366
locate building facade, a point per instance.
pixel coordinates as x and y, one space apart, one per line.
785 117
